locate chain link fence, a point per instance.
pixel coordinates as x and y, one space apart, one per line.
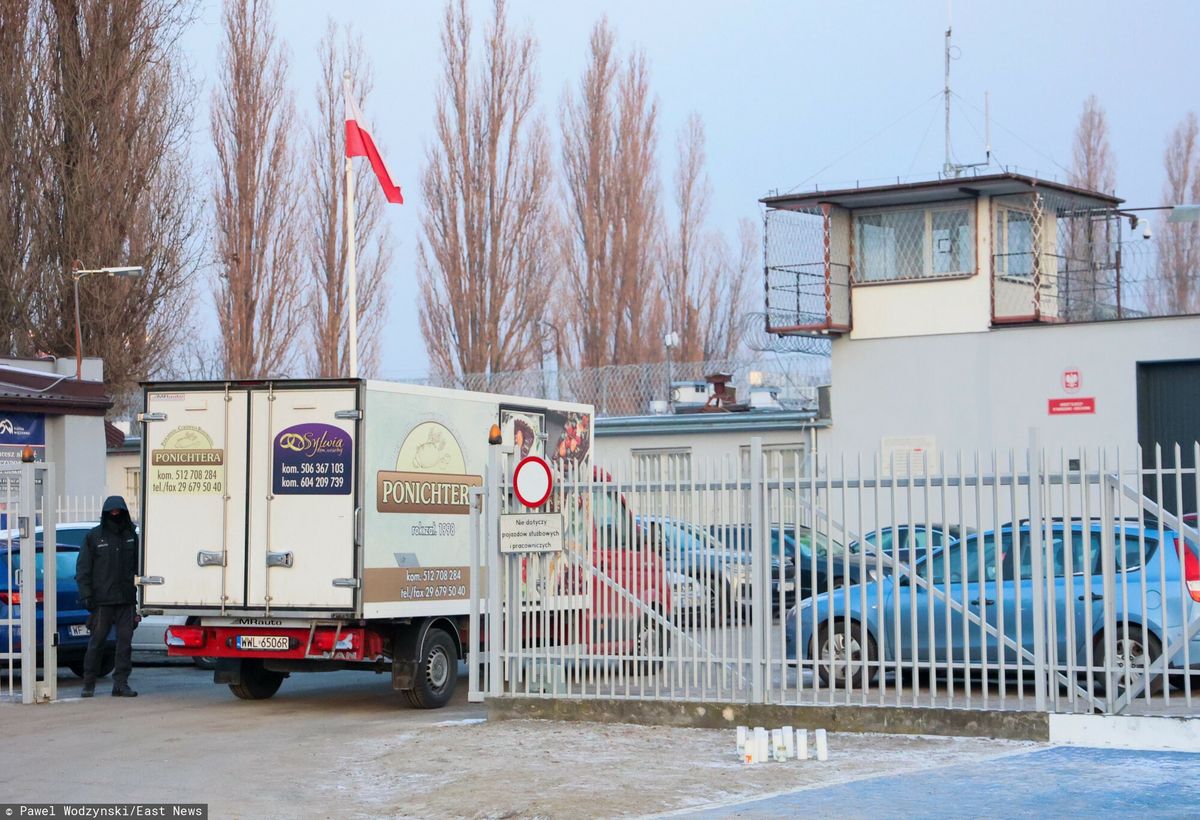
627 390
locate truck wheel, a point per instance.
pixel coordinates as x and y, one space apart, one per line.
257 682
437 672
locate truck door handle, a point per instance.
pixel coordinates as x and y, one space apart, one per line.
985 602
279 559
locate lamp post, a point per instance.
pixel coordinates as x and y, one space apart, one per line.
77 273
557 357
670 342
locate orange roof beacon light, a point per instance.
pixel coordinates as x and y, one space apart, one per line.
494 436
27 454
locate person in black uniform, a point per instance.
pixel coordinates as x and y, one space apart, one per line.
105 574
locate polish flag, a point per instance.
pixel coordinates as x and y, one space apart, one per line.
360 144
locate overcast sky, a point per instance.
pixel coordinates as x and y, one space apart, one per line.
792 93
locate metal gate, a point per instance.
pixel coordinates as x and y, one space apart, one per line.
28 603
1039 580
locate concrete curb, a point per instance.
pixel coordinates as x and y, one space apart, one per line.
896 720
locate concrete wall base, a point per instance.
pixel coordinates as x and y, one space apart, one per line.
898 720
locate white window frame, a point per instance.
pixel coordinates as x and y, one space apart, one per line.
1000 241
927 272
648 464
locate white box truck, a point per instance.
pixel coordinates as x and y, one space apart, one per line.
311 525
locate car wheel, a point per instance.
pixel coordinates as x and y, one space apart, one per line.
1135 650
257 683
108 662
840 656
437 672
653 642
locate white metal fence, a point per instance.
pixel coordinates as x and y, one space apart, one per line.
1045 580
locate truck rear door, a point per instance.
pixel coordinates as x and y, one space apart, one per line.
301 553
193 511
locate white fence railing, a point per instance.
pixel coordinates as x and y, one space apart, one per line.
1057 582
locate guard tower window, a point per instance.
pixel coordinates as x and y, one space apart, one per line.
914 243
1014 243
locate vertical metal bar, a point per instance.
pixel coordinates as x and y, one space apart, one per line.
760 568
1111 517
27 583
495 563
49 688
1036 529
475 659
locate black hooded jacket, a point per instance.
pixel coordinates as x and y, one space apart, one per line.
108 558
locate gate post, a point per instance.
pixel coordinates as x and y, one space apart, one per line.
761 573
495 626
1036 531
475 650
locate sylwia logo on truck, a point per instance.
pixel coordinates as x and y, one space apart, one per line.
187 462
312 459
430 475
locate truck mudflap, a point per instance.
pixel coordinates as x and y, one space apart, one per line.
318 642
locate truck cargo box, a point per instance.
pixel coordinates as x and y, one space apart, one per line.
324 498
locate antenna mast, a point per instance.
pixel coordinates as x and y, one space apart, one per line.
949 169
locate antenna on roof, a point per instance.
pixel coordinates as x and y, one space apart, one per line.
951 168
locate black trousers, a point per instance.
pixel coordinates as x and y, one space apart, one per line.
101 621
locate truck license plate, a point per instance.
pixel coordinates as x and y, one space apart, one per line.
264 642
78 630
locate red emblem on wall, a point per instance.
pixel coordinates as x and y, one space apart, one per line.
1071 381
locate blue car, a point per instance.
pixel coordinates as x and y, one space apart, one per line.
895 620
73 634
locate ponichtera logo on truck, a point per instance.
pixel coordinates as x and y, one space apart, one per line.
187 462
312 459
430 475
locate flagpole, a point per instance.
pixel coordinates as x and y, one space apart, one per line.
351 254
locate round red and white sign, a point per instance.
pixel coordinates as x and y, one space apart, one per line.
532 481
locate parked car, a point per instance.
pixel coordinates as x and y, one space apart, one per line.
73 634
906 543
983 574
723 570
815 562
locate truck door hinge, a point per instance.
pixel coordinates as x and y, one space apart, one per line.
348 414
150 580
349 583
146 417
210 558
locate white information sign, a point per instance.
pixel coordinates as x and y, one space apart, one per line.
531 532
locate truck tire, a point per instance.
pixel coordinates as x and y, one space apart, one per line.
257 682
437 672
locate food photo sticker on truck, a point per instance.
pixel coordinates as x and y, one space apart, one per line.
312 459
187 463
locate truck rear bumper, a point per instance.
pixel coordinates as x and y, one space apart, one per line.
323 642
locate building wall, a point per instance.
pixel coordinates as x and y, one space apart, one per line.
986 390
704 448
118 479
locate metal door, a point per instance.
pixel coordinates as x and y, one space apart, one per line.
1168 395
193 505
301 499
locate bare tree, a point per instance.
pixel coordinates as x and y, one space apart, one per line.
1084 287
609 140
1179 242
259 281
704 282
725 295
325 220
485 256
97 121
